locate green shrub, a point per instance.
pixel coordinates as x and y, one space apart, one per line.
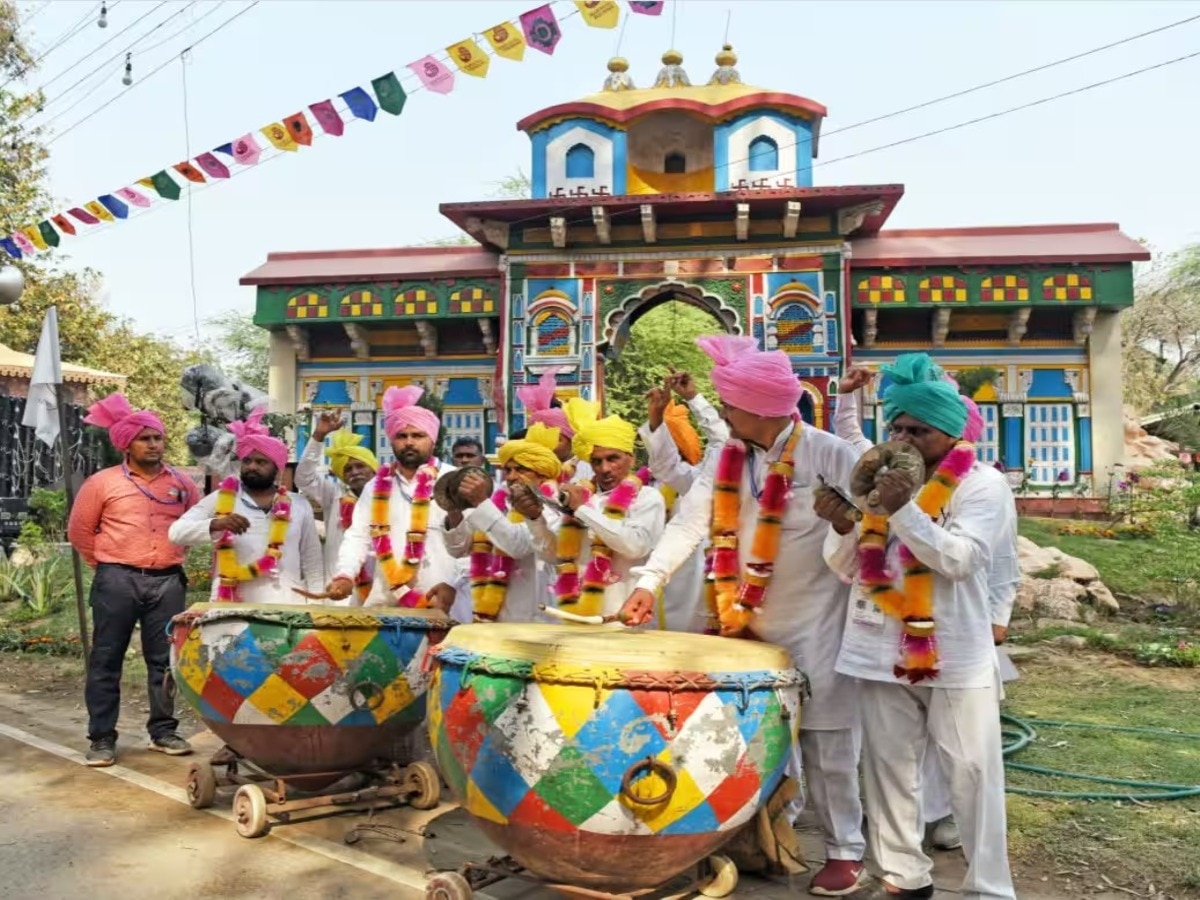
49 509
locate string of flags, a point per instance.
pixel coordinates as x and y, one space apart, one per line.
537 29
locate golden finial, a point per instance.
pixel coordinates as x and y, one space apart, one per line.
671 74
618 78
726 73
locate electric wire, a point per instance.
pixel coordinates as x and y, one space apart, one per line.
72 30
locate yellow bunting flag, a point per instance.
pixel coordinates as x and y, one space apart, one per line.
146 182
280 137
469 57
507 41
600 13
31 232
97 209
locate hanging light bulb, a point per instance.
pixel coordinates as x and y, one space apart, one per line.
103 21
128 79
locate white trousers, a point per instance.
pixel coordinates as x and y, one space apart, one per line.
962 727
829 762
935 789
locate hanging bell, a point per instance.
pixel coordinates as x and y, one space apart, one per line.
103 20
128 79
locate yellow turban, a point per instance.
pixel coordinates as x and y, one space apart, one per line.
592 431
535 451
345 446
682 432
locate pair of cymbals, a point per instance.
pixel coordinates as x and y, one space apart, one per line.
446 490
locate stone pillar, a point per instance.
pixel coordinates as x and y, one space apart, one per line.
1104 377
281 374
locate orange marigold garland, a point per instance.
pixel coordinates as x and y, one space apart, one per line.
492 568
598 575
398 573
230 572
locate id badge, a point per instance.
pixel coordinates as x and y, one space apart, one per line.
866 613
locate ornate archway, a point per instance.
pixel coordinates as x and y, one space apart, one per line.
617 324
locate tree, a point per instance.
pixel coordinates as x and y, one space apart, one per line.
240 348
1161 331
664 337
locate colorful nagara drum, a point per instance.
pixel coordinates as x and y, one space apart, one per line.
609 759
298 690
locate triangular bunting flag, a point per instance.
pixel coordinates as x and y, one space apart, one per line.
132 197
212 166
299 129
507 41
167 187
63 223
190 172
433 75
390 94
468 56
600 13
360 104
11 248
541 29
246 150
114 206
647 7
24 243
83 216
279 137
97 210
35 237
327 117
227 149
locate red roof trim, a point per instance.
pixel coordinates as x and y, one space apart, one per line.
583 108
370 265
995 230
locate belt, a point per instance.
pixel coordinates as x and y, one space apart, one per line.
154 573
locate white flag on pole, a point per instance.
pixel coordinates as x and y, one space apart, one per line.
41 407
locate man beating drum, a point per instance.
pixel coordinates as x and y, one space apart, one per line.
757 494
922 649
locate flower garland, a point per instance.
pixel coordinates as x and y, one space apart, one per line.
230 572
362 584
492 568
912 603
731 601
568 471
399 572
598 574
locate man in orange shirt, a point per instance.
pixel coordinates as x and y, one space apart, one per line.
119 526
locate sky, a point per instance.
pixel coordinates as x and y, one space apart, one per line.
1124 152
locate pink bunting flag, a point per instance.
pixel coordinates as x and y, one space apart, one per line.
24 243
327 117
433 75
212 166
647 8
246 150
132 197
541 29
83 216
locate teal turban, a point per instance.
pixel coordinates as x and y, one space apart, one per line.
919 387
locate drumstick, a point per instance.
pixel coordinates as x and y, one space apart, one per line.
573 617
309 595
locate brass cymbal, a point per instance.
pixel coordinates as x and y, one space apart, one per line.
445 491
879 459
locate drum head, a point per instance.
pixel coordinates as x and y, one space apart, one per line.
320 616
445 492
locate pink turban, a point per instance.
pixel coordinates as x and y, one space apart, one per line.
400 411
536 399
745 377
253 435
122 421
973 430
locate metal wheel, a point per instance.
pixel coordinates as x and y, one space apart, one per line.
250 811
721 877
448 886
428 784
201 785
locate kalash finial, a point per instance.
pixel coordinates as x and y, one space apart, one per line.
726 73
618 78
671 74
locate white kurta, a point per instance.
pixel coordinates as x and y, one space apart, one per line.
532 583
326 490
631 539
437 565
301 565
804 609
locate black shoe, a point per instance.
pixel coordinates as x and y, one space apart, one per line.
921 893
170 744
102 752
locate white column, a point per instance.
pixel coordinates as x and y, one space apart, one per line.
281 374
1108 424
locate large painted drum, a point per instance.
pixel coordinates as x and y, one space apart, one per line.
608 759
299 690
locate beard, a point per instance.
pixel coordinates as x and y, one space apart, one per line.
257 481
411 458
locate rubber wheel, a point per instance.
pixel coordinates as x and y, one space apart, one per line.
201 785
250 811
721 879
429 786
448 886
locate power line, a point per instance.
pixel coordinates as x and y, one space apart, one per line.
71 31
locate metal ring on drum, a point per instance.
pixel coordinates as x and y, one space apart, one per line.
610 760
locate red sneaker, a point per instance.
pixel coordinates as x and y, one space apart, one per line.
839 877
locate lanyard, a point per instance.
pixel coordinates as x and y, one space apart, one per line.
183 491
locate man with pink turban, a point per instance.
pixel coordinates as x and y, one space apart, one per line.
120 525
803 604
267 546
542 407
1003 579
388 503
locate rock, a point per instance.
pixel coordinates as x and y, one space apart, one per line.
1055 598
1141 448
1078 570
1072 641
1101 597
1041 560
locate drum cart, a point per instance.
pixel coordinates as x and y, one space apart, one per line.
715 876
261 797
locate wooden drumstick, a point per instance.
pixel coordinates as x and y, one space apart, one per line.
574 617
309 595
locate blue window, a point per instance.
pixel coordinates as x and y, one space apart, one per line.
581 162
764 155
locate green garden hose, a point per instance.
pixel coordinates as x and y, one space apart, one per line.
1020 733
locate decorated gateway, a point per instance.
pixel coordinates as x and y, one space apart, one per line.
704 194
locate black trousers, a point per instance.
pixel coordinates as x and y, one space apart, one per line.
120 599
